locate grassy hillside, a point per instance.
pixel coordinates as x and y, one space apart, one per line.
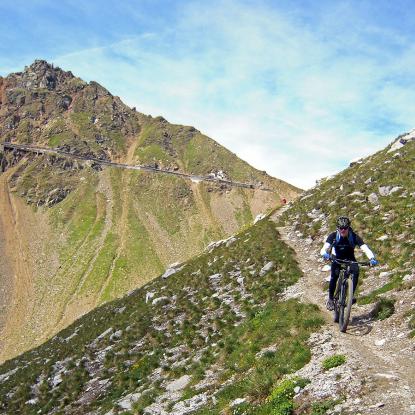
208 334
378 194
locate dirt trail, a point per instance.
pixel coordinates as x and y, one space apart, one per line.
19 287
379 377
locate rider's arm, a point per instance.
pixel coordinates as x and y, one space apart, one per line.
370 255
325 248
367 251
329 242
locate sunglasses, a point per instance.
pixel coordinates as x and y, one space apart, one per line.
343 228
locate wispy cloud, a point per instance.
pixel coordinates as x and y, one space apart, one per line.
293 89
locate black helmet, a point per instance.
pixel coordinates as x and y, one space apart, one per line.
343 222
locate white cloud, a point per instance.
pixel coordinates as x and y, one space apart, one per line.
296 100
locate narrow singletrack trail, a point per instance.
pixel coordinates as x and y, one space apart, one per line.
380 374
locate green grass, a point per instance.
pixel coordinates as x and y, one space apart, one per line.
24 132
60 138
321 407
281 398
152 153
243 214
234 348
76 214
139 259
333 361
372 297
384 308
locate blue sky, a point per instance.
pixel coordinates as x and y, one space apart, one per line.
296 88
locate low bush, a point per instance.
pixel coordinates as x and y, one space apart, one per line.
281 398
333 361
384 308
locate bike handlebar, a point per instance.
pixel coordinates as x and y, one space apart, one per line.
346 261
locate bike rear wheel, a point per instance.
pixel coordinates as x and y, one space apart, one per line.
346 300
336 311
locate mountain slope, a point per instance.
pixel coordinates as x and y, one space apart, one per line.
74 235
232 331
378 194
213 331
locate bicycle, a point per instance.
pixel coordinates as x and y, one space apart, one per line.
343 294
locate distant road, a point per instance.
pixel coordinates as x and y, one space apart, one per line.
194 178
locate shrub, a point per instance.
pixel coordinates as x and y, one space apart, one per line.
281 397
320 408
384 308
333 361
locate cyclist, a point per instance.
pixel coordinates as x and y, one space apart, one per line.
341 244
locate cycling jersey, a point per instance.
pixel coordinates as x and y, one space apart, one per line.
343 247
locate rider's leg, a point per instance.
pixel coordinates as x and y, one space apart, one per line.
354 269
335 270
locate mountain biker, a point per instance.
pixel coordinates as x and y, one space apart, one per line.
341 244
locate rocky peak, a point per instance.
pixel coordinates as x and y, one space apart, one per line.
41 74
99 90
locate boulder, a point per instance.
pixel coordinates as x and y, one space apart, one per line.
65 102
172 269
128 401
402 140
380 342
178 384
267 267
237 402
259 217
158 300
373 199
385 190
149 296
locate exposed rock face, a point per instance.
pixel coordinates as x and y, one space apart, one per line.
42 75
402 140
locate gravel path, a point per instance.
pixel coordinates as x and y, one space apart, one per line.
379 376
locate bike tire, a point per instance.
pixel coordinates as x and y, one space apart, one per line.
346 305
336 311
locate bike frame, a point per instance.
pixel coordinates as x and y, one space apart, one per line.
343 294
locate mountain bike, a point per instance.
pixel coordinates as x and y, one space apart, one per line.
343 295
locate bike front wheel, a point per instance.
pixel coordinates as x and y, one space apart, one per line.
346 300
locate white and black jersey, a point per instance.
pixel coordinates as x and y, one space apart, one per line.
343 247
